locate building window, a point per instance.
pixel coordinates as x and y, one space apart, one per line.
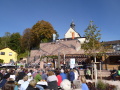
2 53
10 53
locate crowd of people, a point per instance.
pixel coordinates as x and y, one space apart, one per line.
56 79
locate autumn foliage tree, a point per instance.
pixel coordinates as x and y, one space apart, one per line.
42 31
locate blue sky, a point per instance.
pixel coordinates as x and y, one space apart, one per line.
17 15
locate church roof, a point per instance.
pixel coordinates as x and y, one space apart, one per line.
71 30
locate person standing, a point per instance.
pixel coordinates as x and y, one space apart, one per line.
71 77
88 73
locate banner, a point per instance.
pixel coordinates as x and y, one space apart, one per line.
72 62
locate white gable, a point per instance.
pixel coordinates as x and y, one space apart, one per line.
70 33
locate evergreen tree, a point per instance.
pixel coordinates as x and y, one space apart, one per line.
4 41
14 42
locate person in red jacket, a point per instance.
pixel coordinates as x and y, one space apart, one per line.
59 78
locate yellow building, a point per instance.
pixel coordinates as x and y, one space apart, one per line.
8 55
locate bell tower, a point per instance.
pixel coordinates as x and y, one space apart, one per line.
72 25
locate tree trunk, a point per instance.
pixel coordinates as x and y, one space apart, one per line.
95 71
58 65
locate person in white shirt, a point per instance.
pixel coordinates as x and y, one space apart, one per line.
76 74
25 84
52 81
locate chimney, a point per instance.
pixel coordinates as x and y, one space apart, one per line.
73 35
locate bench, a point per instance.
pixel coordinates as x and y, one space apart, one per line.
107 75
104 74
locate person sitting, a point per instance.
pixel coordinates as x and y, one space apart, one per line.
77 84
25 84
38 78
118 72
20 75
59 78
9 85
66 84
114 74
52 81
63 75
32 85
44 75
4 80
83 85
2 73
30 75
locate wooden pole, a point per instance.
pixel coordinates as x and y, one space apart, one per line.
100 72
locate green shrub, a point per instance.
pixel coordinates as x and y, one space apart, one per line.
21 66
101 85
1 60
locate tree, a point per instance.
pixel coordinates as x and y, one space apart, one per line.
42 31
92 44
5 40
26 39
14 43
